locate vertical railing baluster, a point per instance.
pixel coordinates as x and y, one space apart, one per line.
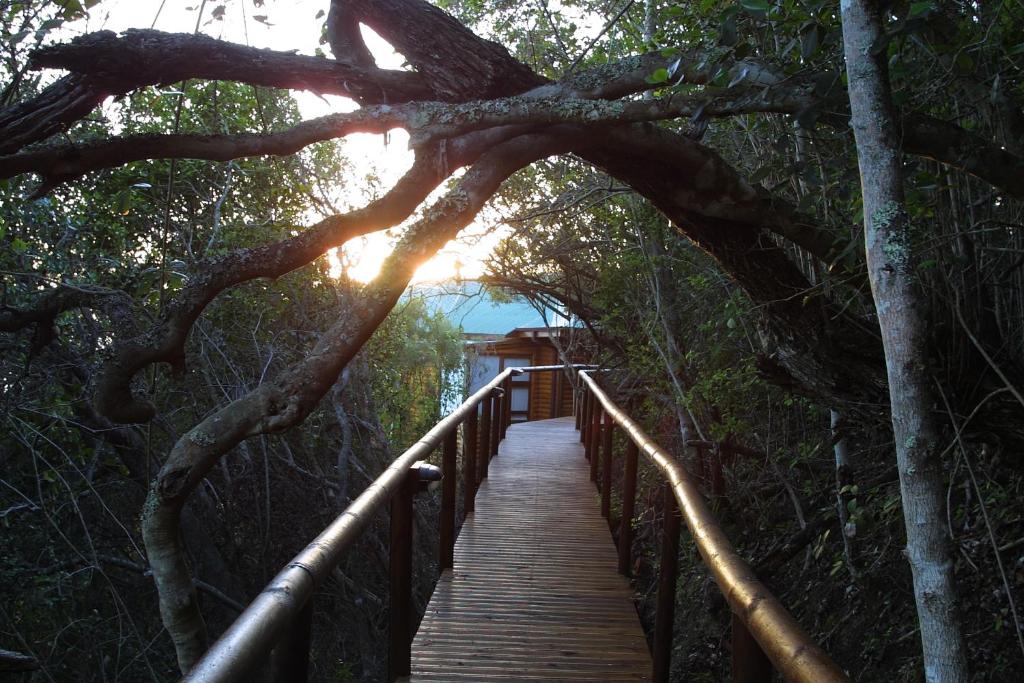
749 663
484 452
496 408
400 595
400 569
469 444
290 659
506 407
556 405
446 534
668 573
606 466
585 420
628 504
595 441
577 408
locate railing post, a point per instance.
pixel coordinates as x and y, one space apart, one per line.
585 419
749 663
668 573
446 534
496 408
595 441
400 623
290 659
556 404
469 444
606 466
506 407
628 502
577 408
484 452
400 570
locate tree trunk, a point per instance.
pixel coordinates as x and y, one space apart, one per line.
900 306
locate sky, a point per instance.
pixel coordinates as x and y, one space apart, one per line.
293 25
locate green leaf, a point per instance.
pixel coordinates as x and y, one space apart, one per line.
761 6
739 77
809 41
659 76
72 8
964 63
824 82
674 67
728 34
124 202
919 9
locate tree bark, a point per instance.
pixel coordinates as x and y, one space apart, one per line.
901 315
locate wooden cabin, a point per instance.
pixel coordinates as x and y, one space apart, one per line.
535 396
502 332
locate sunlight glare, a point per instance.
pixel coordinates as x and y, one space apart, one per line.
377 161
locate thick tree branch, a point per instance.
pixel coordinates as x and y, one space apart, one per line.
43 312
344 37
456 63
954 146
11 661
114 65
104 64
59 105
426 121
143 57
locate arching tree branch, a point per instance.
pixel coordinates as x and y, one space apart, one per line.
58 106
286 400
43 312
141 57
344 37
457 64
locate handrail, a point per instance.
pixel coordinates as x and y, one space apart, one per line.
248 641
785 643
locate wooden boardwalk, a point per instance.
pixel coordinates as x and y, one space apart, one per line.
534 594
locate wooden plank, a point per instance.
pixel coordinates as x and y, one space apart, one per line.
533 594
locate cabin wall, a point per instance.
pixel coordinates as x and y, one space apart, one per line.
543 402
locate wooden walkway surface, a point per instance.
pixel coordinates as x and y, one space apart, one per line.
534 594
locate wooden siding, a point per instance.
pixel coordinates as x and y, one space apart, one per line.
540 351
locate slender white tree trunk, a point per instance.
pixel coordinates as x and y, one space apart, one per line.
900 306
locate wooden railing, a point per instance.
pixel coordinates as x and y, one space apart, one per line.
764 633
275 628
278 623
